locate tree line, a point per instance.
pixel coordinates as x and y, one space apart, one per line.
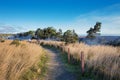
69 36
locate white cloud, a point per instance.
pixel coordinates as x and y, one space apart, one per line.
5 28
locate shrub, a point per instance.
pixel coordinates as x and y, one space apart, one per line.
15 42
2 40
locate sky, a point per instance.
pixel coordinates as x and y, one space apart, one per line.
80 15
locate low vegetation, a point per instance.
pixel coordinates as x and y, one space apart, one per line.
2 40
24 62
103 62
15 42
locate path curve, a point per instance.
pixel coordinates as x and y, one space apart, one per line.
56 68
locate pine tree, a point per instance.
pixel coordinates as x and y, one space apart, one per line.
92 32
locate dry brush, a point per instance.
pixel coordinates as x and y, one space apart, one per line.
17 60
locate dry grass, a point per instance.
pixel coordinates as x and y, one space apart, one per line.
14 61
103 60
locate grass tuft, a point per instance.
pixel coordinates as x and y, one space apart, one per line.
15 42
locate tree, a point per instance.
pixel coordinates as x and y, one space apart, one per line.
70 36
45 33
32 33
50 32
92 32
60 31
40 33
97 27
59 35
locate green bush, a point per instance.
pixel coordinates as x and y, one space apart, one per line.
15 42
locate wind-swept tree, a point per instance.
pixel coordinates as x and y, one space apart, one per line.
93 32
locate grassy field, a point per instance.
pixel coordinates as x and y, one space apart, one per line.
103 62
24 61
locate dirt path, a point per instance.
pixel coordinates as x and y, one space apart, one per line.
56 68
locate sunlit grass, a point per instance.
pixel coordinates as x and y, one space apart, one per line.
101 60
18 60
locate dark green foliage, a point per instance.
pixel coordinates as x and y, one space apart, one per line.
26 33
70 36
15 42
48 33
97 27
59 35
51 32
45 33
90 33
93 31
40 33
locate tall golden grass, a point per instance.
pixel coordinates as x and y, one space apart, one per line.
103 60
16 60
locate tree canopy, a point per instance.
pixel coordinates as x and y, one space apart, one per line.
92 32
50 33
70 36
45 33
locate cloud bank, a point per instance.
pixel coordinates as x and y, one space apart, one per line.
4 28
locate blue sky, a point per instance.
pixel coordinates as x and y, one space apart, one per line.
24 15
